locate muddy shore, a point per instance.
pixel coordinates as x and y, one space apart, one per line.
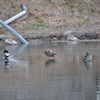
45 38
90 33
51 34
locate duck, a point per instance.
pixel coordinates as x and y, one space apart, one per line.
6 55
87 56
50 53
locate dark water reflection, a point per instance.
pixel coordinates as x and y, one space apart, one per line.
31 76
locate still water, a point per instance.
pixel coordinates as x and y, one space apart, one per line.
30 75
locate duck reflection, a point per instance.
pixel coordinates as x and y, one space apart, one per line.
50 63
88 64
6 64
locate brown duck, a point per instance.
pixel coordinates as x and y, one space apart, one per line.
50 53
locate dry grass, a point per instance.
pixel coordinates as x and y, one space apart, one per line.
41 14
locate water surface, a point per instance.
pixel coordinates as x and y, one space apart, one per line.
30 75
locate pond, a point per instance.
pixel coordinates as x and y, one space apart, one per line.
30 75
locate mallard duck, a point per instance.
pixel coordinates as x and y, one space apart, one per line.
6 55
50 53
87 56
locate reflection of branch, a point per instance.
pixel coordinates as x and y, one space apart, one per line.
19 49
6 64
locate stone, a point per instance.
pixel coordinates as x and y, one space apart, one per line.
56 12
76 14
10 41
33 1
69 36
85 12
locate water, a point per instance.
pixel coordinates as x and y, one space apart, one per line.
31 76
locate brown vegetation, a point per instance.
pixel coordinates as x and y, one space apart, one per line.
52 16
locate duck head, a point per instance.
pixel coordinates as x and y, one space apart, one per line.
5 51
87 53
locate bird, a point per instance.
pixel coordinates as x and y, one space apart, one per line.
6 55
49 53
87 56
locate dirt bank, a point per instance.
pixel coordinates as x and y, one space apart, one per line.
49 19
